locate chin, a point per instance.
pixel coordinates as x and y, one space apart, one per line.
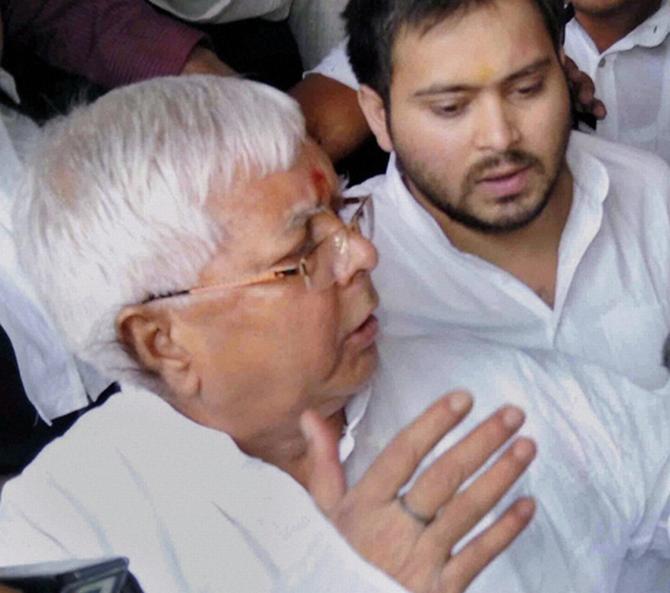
357 376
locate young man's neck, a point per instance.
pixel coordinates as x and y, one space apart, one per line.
606 29
530 253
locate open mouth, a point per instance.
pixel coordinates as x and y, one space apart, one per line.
506 184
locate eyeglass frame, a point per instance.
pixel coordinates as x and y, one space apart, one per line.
275 274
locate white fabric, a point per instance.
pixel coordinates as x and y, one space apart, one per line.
49 373
225 11
316 24
190 510
601 478
612 304
633 79
336 65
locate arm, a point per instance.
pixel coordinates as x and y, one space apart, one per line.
411 537
332 114
110 42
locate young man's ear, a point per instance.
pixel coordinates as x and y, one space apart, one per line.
148 336
374 110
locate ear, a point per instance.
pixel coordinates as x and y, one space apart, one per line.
149 336
374 110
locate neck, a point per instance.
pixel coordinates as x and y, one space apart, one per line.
287 449
529 253
606 28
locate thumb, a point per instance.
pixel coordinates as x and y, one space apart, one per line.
326 481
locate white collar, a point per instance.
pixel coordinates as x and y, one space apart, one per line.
354 413
652 32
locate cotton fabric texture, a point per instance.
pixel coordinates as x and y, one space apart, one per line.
601 478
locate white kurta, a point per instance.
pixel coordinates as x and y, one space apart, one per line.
191 511
50 375
633 79
602 473
612 304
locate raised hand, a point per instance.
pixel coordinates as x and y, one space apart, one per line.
411 537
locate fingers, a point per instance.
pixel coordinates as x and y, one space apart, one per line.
326 482
446 475
399 460
462 568
584 90
461 514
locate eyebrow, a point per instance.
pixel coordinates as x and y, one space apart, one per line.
300 216
439 89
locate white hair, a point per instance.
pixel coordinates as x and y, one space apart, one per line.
112 208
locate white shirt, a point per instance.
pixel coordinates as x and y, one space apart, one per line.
189 509
612 302
601 478
336 65
49 373
632 77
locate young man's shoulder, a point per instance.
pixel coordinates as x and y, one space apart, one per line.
622 160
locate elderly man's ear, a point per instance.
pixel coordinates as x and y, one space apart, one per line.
374 110
150 336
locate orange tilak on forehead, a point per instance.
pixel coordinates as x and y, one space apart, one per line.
484 73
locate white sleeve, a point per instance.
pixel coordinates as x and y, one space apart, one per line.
336 66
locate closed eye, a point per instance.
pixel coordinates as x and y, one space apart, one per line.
530 89
449 110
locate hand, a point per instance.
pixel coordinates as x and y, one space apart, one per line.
583 90
205 61
411 538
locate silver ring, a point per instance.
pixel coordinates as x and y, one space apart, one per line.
412 513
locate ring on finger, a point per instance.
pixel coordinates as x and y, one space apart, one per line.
412 513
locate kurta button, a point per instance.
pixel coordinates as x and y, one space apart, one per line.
602 63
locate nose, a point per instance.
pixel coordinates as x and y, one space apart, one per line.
363 257
497 128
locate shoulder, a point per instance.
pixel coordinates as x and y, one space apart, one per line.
622 161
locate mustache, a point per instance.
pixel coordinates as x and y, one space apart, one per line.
517 158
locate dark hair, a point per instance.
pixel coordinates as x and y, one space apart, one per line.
373 25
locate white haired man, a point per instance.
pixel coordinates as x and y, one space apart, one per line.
187 239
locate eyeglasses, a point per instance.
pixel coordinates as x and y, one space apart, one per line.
321 262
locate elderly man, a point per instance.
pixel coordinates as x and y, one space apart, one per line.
187 239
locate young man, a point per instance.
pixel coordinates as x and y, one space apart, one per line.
624 46
492 217
488 226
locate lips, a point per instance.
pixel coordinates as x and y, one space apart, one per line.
505 182
365 334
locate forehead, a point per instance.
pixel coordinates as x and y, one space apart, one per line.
479 46
265 209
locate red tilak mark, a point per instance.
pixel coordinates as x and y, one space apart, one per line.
319 179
